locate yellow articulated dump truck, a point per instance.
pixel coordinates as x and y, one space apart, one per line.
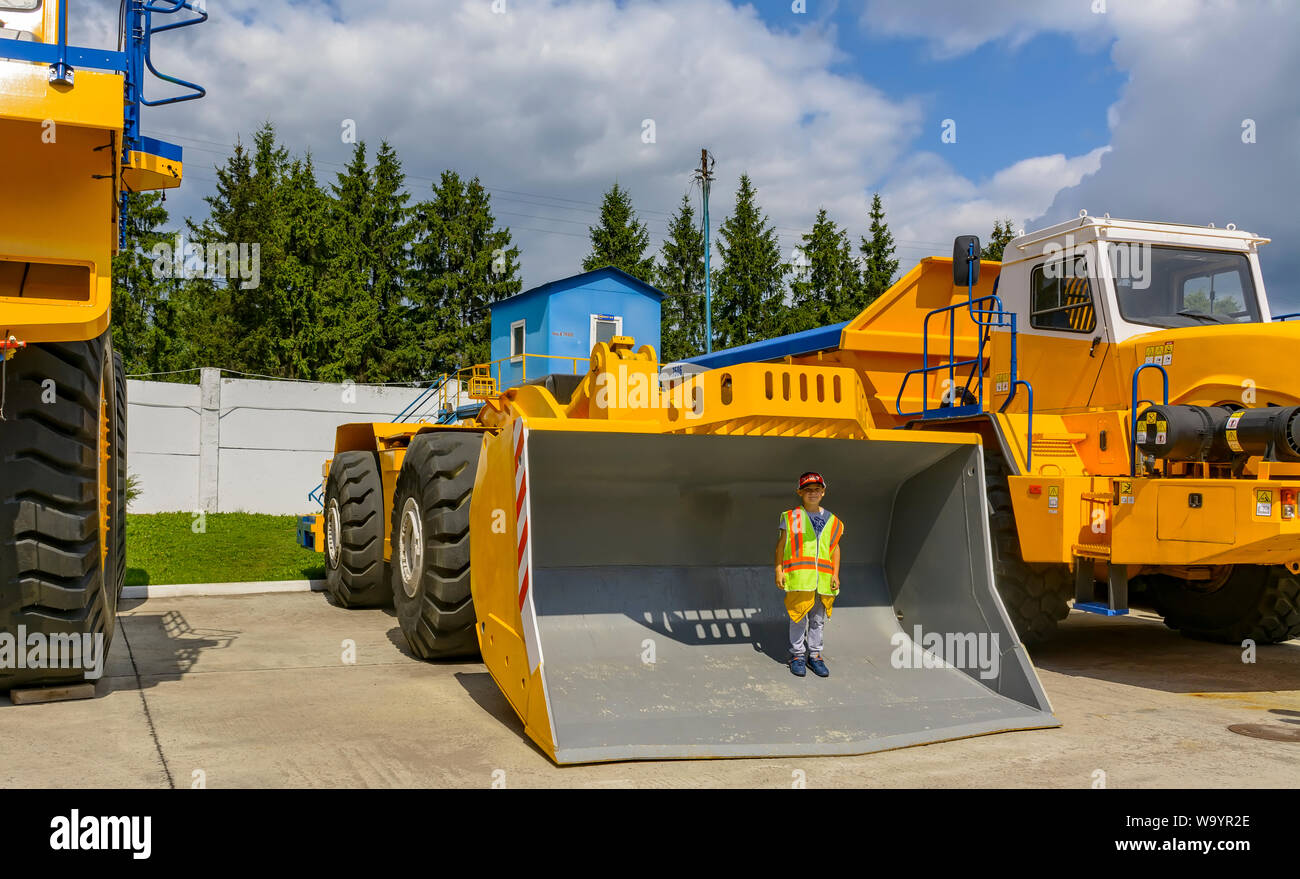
1138 405
70 129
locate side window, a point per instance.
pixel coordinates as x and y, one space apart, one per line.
517 339
1061 303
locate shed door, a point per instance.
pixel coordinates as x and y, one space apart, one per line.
605 327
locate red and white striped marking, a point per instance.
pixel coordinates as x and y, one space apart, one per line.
524 550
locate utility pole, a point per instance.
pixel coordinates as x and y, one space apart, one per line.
704 175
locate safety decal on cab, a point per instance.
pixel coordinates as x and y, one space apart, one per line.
1161 355
1263 502
1231 432
1147 424
1002 383
1126 492
1053 499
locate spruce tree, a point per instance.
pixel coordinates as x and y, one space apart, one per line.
749 291
144 331
680 275
1001 237
878 264
826 288
462 262
620 240
368 264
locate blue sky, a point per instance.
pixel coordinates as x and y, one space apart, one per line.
1070 85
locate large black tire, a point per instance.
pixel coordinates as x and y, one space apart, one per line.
1259 602
117 493
355 573
62 476
1035 596
430 539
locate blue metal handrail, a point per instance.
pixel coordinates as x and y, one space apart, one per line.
1293 314
984 319
148 7
953 364
1132 434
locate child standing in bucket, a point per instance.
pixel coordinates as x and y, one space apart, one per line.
808 571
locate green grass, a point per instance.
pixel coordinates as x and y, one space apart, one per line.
233 548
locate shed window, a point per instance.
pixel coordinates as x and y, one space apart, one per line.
604 327
517 339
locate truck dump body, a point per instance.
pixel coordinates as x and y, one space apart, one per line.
662 633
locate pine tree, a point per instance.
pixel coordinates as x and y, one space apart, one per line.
270 324
826 286
1001 237
364 322
878 264
462 263
680 275
144 330
620 240
750 286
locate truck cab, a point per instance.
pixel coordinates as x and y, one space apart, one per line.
1095 298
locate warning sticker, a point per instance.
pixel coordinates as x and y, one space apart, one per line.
1168 357
1053 499
1231 432
1263 502
1002 383
1126 492
1162 432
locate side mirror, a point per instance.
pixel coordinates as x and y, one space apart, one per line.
962 248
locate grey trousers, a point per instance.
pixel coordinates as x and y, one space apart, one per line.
807 630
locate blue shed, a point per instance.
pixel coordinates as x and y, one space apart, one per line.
565 319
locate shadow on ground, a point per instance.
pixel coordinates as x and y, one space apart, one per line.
1143 652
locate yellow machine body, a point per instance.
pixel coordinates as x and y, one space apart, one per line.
622 574
63 147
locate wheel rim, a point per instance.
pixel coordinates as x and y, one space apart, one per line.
332 532
410 554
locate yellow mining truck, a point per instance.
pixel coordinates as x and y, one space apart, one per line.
70 131
1137 401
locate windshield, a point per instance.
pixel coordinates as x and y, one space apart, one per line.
1183 287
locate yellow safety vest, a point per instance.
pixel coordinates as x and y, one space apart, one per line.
807 561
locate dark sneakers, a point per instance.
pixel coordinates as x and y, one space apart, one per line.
819 668
797 666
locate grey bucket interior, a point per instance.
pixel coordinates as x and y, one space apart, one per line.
666 543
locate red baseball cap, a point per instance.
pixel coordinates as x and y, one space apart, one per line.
811 479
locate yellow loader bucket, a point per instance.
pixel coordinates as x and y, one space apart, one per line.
652 627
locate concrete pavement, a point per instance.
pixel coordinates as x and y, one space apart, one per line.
254 691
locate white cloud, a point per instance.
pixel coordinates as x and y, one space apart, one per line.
549 99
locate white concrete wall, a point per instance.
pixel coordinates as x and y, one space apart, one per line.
238 445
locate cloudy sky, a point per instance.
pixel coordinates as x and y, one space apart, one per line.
1132 107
